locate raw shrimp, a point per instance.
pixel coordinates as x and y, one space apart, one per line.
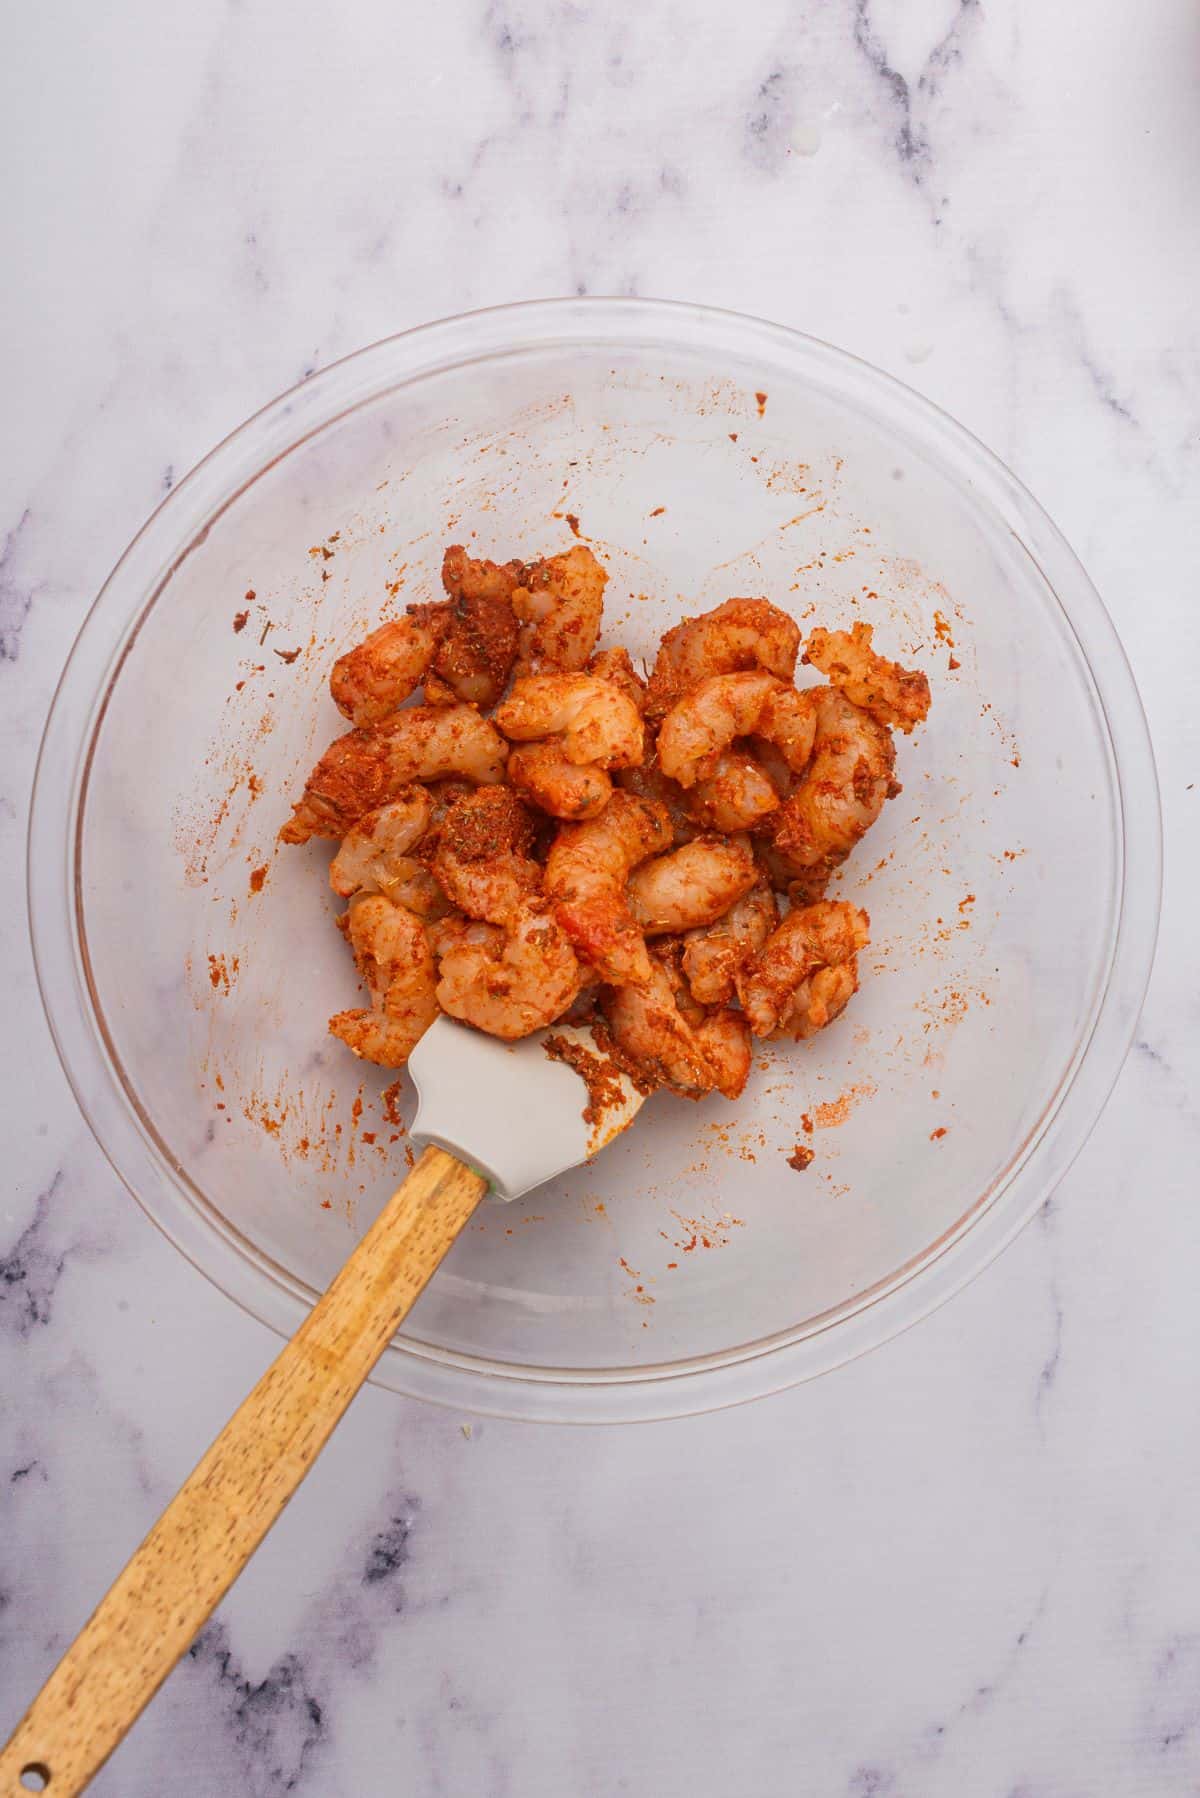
506 982
586 872
378 840
691 1057
394 958
373 856
479 643
482 861
595 721
737 795
842 792
691 886
893 695
616 665
379 673
806 971
366 768
742 633
717 711
560 787
649 782
715 954
559 604
725 1039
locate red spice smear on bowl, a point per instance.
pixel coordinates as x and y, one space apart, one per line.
835 1111
573 521
760 400
937 1135
222 974
257 877
240 620
800 1157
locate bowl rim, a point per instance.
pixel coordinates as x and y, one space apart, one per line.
218 1250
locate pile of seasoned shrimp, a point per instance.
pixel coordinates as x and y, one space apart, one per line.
550 833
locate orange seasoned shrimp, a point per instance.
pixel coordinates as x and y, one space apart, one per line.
715 954
738 794
482 860
559 604
378 840
724 1037
560 787
690 886
395 960
702 725
895 696
807 970
366 768
649 782
692 1055
616 665
842 792
586 872
374 856
594 720
506 982
479 642
741 634
379 673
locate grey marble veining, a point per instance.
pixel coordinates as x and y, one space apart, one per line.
967 1564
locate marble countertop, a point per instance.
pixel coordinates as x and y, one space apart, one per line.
966 1564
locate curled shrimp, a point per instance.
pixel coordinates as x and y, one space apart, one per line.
374 856
807 970
737 795
506 981
895 696
715 954
379 673
366 768
395 960
586 872
592 719
692 885
741 634
560 787
482 860
559 604
682 1048
616 665
378 840
478 645
702 725
842 792
649 782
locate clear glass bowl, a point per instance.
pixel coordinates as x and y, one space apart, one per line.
188 968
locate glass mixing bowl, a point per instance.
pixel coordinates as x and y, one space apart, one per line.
188 965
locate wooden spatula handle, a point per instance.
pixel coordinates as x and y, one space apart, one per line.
155 1608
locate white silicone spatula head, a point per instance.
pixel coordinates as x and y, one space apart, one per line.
510 1110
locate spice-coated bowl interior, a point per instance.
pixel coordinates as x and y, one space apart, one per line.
189 964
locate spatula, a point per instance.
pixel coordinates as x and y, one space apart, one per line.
495 1117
